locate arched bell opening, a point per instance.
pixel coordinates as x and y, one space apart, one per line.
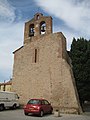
31 30
38 17
42 27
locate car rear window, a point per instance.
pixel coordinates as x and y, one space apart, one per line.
34 102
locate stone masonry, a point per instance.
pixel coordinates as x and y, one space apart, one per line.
42 68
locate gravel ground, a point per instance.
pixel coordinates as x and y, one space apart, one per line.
19 115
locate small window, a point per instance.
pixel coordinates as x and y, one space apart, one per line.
42 27
35 58
35 55
31 30
38 17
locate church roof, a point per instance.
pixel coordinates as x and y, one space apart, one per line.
17 49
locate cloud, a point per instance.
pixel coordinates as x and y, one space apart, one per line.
74 13
11 39
7 12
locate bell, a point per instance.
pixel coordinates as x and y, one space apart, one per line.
31 34
43 28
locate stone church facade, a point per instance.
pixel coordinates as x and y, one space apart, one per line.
42 67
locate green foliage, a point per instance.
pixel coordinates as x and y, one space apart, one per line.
80 55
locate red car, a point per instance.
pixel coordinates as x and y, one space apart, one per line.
38 106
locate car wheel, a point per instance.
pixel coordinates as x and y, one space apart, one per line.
41 113
51 111
14 106
1 107
25 113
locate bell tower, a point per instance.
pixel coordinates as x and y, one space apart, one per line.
37 26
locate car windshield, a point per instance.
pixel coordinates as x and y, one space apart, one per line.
34 102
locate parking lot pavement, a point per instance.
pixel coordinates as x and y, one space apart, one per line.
19 115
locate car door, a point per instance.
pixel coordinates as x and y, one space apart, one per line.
47 106
43 106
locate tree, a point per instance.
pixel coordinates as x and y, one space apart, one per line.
80 56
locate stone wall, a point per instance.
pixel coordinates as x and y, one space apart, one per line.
50 77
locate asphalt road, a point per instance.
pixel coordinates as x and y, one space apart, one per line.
19 115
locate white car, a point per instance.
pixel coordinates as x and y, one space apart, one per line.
8 100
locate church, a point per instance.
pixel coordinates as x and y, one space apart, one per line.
42 67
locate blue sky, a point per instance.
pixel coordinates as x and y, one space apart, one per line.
72 17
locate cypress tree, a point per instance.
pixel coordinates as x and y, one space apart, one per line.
80 56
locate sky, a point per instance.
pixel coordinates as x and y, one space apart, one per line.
72 17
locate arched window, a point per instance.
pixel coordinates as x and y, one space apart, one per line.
38 17
42 27
31 30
